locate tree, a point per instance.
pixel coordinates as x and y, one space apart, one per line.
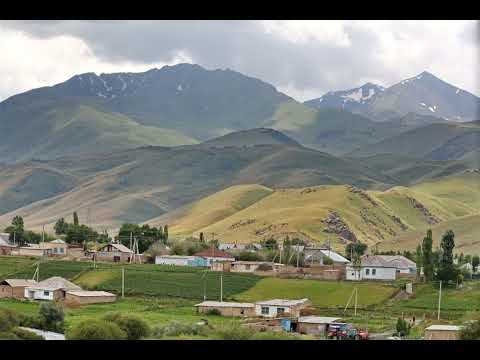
135 327
355 250
419 256
427 261
403 329
165 232
96 329
447 271
52 316
75 219
475 263
60 226
17 231
202 239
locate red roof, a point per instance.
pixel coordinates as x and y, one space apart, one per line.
212 252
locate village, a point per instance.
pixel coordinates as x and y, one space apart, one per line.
293 315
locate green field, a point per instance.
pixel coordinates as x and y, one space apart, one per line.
323 294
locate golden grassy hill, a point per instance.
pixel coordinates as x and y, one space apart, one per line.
334 212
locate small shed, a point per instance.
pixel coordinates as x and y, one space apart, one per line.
317 325
227 308
221 266
281 307
14 288
84 297
442 332
180 260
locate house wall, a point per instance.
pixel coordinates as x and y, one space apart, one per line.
40 294
211 260
83 300
5 250
273 311
171 261
250 268
29 252
229 311
6 291
441 335
307 328
110 256
381 273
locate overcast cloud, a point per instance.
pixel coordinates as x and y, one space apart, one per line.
302 58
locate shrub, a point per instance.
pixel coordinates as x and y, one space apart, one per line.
135 327
177 328
265 267
213 312
52 316
249 256
327 261
8 319
471 331
26 335
96 330
234 332
8 336
403 329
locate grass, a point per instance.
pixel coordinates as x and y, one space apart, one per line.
323 294
10 265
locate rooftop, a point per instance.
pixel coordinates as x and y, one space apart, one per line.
55 283
389 261
89 293
444 328
212 252
18 282
225 304
119 247
283 302
317 319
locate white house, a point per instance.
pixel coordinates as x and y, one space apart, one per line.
214 255
372 267
178 260
401 263
280 308
226 246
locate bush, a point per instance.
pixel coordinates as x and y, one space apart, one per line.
272 335
8 336
135 327
177 328
234 332
265 267
26 335
96 330
403 329
8 320
249 256
52 316
471 331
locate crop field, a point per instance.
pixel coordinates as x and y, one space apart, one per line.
10 265
323 294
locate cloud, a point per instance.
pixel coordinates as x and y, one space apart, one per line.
303 58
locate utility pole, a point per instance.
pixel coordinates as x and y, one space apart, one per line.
356 300
123 282
43 233
298 253
131 244
439 300
221 286
14 238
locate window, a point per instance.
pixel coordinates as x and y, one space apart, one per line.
280 311
61 250
54 250
367 271
265 310
247 267
46 293
374 271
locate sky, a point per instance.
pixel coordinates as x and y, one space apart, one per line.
304 59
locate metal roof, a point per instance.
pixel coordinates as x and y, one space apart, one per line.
282 302
119 247
55 283
225 304
334 256
398 261
444 328
191 257
86 293
317 319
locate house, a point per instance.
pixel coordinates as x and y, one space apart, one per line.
31 250
54 288
381 267
316 256
58 247
227 308
14 288
442 332
213 255
46 335
224 247
372 267
280 308
317 325
180 260
114 252
252 266
84 297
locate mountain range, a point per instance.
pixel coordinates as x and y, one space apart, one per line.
152 146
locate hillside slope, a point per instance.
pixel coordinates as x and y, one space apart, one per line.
338 213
